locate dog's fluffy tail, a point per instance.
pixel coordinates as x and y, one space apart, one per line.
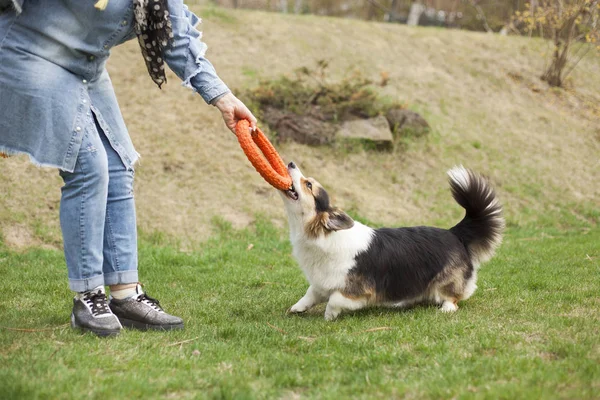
481 228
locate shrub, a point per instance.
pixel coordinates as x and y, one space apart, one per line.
573 27
311 92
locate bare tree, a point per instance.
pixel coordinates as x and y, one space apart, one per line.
571 26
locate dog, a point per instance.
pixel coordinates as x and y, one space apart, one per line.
352 266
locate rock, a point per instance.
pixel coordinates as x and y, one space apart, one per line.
373 132
304 129
403 122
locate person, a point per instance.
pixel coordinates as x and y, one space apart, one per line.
57 105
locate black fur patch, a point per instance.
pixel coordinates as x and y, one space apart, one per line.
321 201
401 263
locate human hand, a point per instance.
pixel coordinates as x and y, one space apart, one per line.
233 110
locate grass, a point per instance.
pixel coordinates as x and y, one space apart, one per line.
530 331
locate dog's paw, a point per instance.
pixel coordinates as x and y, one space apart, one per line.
331 315
448 307
296 309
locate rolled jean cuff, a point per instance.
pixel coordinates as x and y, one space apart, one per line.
83 285
121 277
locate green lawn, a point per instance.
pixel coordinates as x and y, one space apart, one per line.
532 330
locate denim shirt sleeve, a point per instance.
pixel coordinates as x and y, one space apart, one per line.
186 54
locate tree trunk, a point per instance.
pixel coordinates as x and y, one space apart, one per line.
370 11
392 14
416 9
553 73
297 6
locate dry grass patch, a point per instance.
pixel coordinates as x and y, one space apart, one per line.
539 147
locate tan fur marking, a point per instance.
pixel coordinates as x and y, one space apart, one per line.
316 227
357 288
450 282
305 188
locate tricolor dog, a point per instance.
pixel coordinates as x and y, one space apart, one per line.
352 266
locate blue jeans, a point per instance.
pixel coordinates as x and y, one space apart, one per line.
97 216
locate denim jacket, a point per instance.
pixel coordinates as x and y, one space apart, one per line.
53 79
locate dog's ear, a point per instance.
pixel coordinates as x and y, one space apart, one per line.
338 220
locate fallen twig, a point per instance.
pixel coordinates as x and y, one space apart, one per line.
33 330
277 329
381 328
54 353
182 342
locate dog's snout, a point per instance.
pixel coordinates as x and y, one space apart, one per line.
291 165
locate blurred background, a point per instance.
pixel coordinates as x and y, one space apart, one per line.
477 15
508 88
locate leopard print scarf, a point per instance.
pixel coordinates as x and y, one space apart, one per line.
154 32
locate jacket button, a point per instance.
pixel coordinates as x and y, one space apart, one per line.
78 129
84 81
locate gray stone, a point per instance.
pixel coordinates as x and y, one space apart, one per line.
373 132
403 122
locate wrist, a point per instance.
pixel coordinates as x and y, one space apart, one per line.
220 99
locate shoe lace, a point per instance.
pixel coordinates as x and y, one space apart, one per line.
97 303
152 302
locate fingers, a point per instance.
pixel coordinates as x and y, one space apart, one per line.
233 111
242 112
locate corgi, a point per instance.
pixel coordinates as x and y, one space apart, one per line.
352 266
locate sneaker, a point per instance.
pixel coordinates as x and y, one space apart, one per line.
143 312
92 314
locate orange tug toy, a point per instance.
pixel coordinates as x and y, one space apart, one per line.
263 156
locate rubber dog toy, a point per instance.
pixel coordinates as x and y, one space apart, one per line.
263 156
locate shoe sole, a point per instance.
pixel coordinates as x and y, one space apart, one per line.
128 323
97 332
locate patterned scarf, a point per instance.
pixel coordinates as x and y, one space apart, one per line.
154 32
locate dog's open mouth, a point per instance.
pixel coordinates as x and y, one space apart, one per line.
291 193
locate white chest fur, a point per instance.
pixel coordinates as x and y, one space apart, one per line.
326 260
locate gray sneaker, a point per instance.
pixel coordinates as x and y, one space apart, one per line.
92 314
143 312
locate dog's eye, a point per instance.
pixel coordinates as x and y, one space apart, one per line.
309 185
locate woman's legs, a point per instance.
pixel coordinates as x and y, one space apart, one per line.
98 221
83 212
82 219
120 233
97 217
